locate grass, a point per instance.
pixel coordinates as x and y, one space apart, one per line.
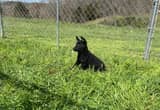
35 75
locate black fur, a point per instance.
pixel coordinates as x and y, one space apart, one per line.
85 58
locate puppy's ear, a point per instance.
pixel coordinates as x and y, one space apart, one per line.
83 39
77 38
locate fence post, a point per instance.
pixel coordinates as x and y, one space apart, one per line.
151 27
57 21
1 22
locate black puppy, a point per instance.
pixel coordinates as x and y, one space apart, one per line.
85 58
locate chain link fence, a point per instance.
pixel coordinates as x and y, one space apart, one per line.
113 22
28 18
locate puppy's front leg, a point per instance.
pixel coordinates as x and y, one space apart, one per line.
76 64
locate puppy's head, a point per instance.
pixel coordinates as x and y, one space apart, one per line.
81 44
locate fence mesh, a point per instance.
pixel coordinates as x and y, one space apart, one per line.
116 24
28 19
85 10
113 22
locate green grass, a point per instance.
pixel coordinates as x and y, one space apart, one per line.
35 75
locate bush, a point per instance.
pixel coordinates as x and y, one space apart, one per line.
87 10
21 11
86 13
133 21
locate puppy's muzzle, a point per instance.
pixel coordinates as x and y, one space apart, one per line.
75 49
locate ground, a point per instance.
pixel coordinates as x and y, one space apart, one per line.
36 75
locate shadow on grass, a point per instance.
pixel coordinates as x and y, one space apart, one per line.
50 96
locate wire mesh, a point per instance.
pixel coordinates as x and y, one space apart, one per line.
116 24
24 19
85 10
113 22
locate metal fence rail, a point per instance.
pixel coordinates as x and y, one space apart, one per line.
151 27
1 22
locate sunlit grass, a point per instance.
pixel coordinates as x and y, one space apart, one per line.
36 75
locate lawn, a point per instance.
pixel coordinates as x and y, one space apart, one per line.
36 75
